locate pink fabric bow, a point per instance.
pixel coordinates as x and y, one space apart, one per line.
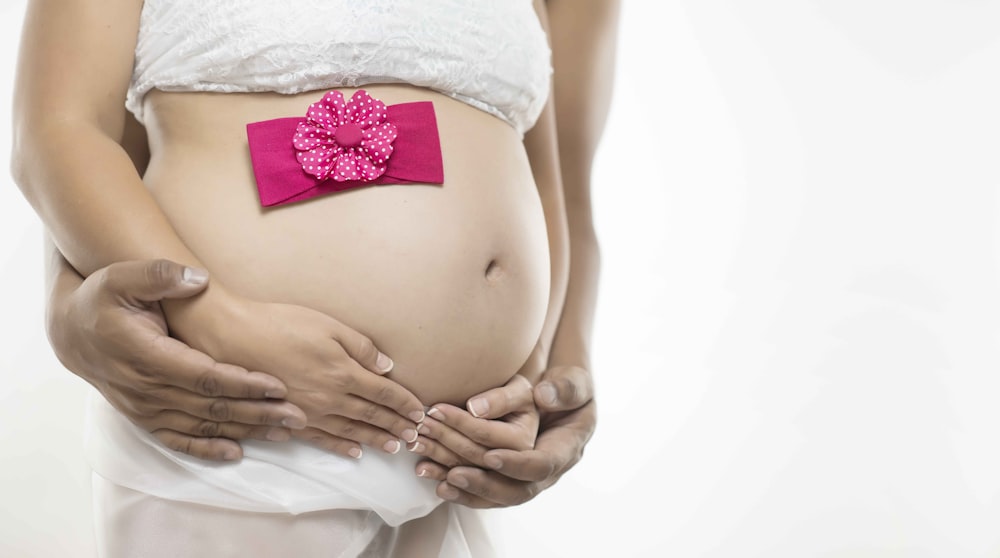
342 145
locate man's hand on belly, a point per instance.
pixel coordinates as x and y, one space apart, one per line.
110 331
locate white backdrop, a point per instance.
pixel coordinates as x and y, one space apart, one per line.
797 337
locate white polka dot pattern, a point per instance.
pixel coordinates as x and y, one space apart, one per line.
345 140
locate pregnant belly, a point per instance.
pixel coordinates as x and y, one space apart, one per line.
451 281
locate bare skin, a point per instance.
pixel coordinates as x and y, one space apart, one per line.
583 35
72 169
565 394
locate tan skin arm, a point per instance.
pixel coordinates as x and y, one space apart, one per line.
583 34
66 159
110 331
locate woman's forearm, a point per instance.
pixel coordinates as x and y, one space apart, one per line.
66 155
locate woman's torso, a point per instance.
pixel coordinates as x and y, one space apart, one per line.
450 280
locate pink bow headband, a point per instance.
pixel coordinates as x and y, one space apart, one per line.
341 145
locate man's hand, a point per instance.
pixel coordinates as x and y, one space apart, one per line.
110 331
510 477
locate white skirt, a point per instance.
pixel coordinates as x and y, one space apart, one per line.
156 498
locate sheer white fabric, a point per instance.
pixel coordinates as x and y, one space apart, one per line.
290 477
490 54
132 524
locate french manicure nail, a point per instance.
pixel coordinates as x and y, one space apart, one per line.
417 416
383 363
410 435
436 413
392 446
479 407
416 447
355 453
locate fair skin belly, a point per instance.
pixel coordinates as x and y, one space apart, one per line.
451 281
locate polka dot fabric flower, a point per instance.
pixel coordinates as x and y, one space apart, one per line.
345 141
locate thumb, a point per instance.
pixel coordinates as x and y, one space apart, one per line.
564 388
363 350
153 280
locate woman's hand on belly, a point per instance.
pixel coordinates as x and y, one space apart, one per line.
452 437
508 477
332 372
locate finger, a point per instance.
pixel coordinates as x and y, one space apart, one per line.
463 426
435 451
438 437
363 350
171 362
559 447
482 489
329 442
153 280
564 388
388 393
431 470
500 401
360 432
223 409
184 423
215 449
476 488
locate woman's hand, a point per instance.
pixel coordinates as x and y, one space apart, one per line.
451 436
110 331
332 372
510 477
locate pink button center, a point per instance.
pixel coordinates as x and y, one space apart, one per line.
348 135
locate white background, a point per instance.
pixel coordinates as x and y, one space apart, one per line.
796 347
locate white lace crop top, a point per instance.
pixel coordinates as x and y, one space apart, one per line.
491 54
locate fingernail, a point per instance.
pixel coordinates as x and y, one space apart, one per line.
410 435
392 446
417 416
355 453
479 407
416 447
421 428
293 422
548 393
460 482
435 413
383 363
277 435
194 276
493 462
422 472
231 454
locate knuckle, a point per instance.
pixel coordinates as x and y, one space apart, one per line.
384 394
159 272
365 349
369 413
219 410
207 429
207 384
